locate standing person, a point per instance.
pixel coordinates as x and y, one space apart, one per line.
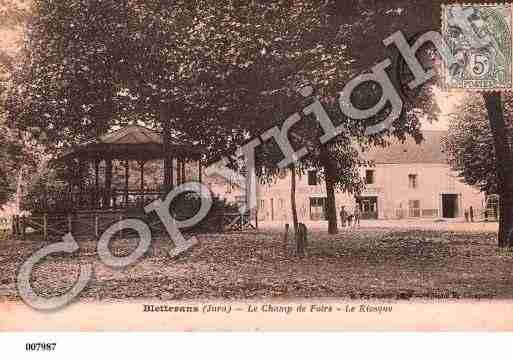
357 215
343 216
349 220
466 215
471 212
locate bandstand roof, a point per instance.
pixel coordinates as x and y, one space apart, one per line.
133 142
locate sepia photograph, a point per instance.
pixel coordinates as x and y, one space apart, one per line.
278 165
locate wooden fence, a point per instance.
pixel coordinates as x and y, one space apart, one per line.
91 224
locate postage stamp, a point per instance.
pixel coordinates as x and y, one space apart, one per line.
479 37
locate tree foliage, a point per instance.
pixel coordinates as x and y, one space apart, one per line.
12 150
470 145
217 72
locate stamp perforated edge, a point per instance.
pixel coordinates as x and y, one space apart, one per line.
474 89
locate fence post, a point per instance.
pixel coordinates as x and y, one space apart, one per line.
45 227
13 226
286 237
18 227
120 228
96 226
23 228
222 220
70 224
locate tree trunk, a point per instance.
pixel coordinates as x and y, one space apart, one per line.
331 207
504 162
300 250
286 237
293 197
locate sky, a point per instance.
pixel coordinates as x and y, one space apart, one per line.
447 101
10 39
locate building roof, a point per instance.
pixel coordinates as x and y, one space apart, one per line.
135 134
131 142
430 150
132 134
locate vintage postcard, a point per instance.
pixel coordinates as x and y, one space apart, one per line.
255 166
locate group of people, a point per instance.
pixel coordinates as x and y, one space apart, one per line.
469 214
350 219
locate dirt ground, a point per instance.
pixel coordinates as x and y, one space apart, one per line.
448 225
363 263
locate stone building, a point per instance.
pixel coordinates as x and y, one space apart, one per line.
407 180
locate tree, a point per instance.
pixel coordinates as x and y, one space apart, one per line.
213 71
68 82
293 208
504 157
326 38
480 150
220 87
470 145
14 15
493 106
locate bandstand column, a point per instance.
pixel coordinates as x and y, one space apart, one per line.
178 172
141 166
97 174
82 198
108 182
168 173
70 175
81 175
200 175
183 172
97 182
127 174
141 197
171 174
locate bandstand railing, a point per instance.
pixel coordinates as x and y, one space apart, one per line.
88 213
90 199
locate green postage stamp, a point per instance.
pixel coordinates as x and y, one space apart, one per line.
479 37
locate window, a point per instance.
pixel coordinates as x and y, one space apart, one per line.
414 208
312 178
282 203
369 177
412 181
317 201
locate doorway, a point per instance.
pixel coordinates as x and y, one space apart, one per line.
368 207
449 205
318 208
491 212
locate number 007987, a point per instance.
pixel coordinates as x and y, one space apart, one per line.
37 347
